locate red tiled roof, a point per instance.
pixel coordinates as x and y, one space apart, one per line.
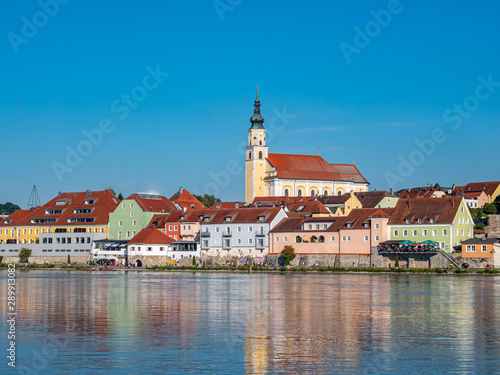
312 207
154 203
370 199
227 205
313 167
488 187
442 210
151 236
277 201
358 217
290 224
14 217
186 200
242 215
104 203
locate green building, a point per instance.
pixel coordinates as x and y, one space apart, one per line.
444 220
134 214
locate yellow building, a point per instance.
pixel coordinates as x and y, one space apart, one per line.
273 175
84 212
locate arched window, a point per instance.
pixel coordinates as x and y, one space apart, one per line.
299 193
249 154
339 192
260 154
313 193
260 143
321 239
314 239
325 192
286 193
298 239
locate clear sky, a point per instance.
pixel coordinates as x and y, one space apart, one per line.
410 90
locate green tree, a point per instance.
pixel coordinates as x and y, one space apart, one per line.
207 200
396 262
490 209
194 261
8 208
288 253
24 254
111 190
120 196
69 259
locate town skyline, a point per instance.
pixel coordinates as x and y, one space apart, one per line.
416 93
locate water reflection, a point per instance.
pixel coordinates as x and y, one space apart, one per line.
261 323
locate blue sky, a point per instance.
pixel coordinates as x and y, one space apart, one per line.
400 87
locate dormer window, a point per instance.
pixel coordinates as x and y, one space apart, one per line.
201 217
183 217
420 220
431 220
7 221
348 225
228 218
82 210
407 221
262 218
90 201
366 225
207 219
53 212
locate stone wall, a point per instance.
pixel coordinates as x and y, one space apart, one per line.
493 226
49 259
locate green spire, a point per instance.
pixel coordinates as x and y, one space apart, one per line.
257 120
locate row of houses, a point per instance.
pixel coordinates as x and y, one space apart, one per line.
147 229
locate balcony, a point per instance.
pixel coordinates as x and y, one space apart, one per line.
227 233
260 245
226 245
260 233
205 234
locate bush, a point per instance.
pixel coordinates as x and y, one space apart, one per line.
288 253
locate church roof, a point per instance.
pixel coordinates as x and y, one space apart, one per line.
313 167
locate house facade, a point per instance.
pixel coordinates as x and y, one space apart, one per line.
135 213
242 232
444 220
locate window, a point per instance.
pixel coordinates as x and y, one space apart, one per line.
299 193
250 229
325 192
396 233
377 238
128 234
250 240
366 238
434 232
277 239
260 154
462 232
419 220
466 220
175 227
445 232
262 218
470 248
461 209
483 248
133 233
407 221
249 154
405 232
162 248
424 232
332 239
131 205
339 192
227 242
238 241
120 223
414 232
228 218
346 238
238 229
123 205
217 229
205 243
169 228
321 239
134 223
287 193
149 249
68 240
377 226
431 220
313 193
31 231
24 231
131 213
468 232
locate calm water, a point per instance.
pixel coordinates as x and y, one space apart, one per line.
143 322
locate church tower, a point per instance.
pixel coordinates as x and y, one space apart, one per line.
256 155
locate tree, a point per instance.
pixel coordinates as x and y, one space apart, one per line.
69 259
120 197
207 200
8 208
396 262
24 254
490 209
111 190
194 261
288 253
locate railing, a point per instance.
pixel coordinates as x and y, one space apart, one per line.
205 234
227 233
260 233
260 245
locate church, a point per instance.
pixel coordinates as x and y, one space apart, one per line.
273 175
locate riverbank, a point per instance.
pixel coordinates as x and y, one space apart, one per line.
246 269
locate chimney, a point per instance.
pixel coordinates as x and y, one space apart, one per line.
59 194
181 190
87 193
392 191
236 205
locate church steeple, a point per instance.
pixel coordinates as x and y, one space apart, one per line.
257 120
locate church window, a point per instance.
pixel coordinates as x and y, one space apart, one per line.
325 192
260 143
339 192
313 193
299 192
250 154
260 154
286 193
